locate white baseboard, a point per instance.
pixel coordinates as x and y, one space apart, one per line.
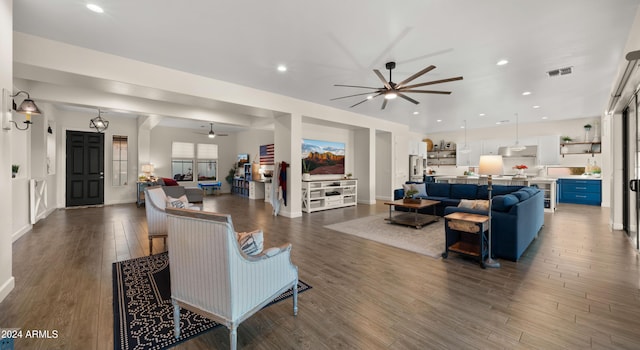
7 287
287 214
16 235
384 198
365 201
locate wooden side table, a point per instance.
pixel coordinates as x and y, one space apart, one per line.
467 235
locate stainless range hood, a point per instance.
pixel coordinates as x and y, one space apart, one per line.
529 152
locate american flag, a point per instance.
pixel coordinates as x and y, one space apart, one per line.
266 155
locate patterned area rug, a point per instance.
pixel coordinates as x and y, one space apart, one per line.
142 310
429 240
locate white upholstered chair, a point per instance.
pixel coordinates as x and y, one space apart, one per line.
211 276
155 204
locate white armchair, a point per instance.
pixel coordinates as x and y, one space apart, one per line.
155 204
211 276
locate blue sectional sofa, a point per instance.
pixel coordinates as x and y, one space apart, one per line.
517 212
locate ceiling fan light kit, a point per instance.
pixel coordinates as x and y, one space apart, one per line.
391 90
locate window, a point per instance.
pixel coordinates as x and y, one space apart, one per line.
207 162
183 158
120 160
182 154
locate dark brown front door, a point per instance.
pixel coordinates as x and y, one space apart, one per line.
85 168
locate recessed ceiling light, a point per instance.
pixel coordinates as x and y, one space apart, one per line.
498 123
461 126
416 113
369 97
439 120
95 8
502 62
545 118
282 68
526 93
482 114
536 107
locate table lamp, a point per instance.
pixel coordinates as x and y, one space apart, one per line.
147 169
490 165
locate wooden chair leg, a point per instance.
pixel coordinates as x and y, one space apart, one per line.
150 246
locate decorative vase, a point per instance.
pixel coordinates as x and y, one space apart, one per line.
520 173
306 177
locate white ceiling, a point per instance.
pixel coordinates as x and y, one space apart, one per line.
340 42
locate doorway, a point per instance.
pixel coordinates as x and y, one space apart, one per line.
85 169
631 171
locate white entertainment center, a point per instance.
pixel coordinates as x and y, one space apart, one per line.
328 194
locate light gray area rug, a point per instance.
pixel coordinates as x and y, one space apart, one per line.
429 240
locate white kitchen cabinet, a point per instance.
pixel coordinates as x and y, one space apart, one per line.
548 147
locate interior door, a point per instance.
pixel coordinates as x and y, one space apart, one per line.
85 168
631 171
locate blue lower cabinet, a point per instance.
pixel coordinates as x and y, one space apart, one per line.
580 191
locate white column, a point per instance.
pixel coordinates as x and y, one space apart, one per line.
287 144
365 164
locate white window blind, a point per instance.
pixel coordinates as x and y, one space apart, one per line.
207 151
182 150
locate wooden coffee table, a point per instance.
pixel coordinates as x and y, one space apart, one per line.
412 218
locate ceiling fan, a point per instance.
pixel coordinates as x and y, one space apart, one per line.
391 90
213 134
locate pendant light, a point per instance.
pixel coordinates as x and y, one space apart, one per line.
517 147
466 148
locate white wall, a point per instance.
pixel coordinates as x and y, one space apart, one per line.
384 159
6 213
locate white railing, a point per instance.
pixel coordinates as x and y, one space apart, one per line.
37 199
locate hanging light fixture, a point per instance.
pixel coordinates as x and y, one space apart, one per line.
212 133
516 147
466 148
98 123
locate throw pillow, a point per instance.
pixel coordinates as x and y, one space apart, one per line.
421 188
169 182
181 202
504 203
466 203
481 204
252 242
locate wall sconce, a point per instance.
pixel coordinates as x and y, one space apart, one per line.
98 123
27 107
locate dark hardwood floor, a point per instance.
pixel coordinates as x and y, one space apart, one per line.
576 287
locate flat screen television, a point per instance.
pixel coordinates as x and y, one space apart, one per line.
323 157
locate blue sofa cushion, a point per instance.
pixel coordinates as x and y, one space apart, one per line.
464 191
504 202
522 195
530 190
503 189
438 189
483 192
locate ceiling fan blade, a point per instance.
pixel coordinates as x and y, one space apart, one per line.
384 103
357 86
338 98
363 101
428 92
428 69
408 98
384 81
432 82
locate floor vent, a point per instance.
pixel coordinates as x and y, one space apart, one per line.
560 71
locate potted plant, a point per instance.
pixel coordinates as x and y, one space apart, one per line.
587 127
306 175
14 170
566 139
408 197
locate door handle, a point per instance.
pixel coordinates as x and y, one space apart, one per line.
633 185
